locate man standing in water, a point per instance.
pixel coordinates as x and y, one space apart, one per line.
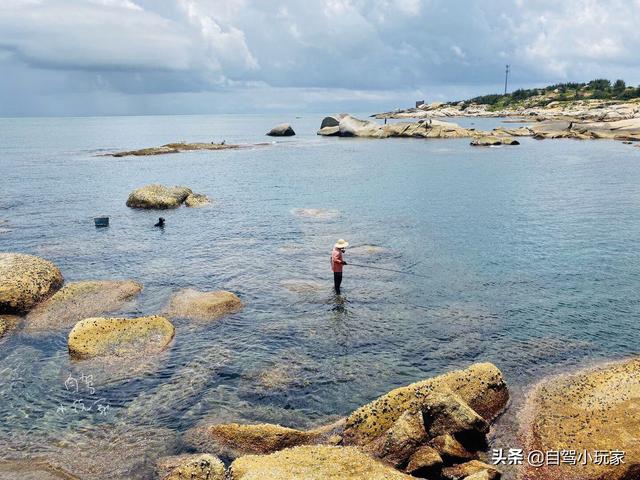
337 262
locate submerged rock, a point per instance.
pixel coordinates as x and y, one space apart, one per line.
26 280
157 196
313 463
234 439
318 213
480 386
590 410
119 337
197 200
200 466
78 300
493 141
174 148
203 306
281 130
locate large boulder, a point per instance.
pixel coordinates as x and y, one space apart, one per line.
281 130
590 410
491 141
119 337
203 306
313 463
157 196
26 280
354 127
78 300
200 466
399 442
480 386
469 469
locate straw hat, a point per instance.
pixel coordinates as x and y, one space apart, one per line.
341 244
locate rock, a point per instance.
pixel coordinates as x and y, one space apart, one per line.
200 466
492 142
158 197
203 306
329 131
282 130
401 440
234 439
367 250
354 127
467 470
445 412
450 449
313 463
594 409
119 337
425 461
8 323
480 386
318 213
174 148
26 280
78 300
332 121
197 200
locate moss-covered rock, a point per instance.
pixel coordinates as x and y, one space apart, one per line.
157 196
119 337
78 300
203 306
26 280
313 463
596 409
480 386
200 466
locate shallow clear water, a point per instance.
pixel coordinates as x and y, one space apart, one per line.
528 257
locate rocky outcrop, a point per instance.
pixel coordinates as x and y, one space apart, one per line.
157 196
584 110
78 300
203 306
313 463
190 467
195 200
26 280
493 141
281 130
587 411
174 148
480 386
119 337
420 429
349 126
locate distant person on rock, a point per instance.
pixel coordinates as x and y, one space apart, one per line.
160 223
337 261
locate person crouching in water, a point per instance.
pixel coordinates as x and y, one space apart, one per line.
337 261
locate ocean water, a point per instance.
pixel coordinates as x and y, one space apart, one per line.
523 256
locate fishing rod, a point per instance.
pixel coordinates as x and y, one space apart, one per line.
386 269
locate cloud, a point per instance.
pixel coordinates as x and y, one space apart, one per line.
437 48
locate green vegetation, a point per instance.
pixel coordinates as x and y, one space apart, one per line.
599 88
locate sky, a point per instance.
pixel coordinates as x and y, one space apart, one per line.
138 57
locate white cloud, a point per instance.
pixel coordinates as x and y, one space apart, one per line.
146 47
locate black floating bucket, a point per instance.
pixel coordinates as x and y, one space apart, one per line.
101 222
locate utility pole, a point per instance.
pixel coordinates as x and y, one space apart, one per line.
506 77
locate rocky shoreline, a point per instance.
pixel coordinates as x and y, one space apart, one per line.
345 125
434 429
